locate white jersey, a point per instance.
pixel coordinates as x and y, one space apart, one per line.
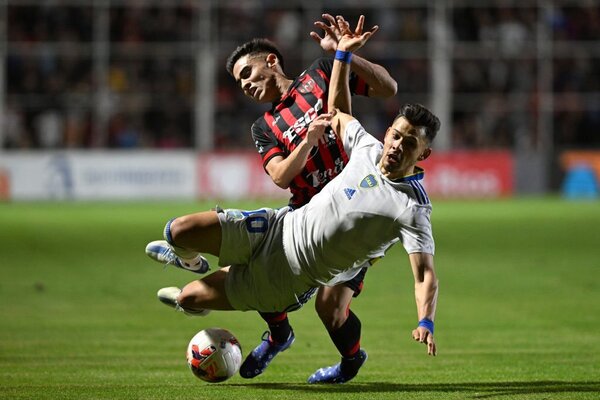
357 217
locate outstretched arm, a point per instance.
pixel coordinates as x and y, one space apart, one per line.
426 292
381 83
339 90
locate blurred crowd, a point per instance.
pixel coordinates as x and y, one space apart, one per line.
75 80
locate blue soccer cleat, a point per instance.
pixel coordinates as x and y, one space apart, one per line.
258 360
161 251
341 372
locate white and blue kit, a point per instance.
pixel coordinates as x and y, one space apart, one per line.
279 257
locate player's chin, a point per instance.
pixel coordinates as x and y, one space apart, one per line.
392 165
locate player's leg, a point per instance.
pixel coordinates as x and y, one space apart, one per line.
196 233
277 338
280 329
200 296
185 238
344 328
206 293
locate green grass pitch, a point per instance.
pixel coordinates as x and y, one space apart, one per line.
518 313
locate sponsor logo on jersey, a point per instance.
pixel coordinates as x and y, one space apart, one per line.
292 132
368 181
319 177
349 193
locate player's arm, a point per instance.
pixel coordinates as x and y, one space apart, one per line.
381 83
379 80
339 89
426 293
283 170
349 41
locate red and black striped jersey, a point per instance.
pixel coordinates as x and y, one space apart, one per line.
284 126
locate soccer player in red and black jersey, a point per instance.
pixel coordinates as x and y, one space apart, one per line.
304 164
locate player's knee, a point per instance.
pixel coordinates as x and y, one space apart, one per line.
177 227
190 299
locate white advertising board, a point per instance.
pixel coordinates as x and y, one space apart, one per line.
98 175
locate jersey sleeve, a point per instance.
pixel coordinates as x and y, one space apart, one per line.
266 143
358 86
417 236
355 137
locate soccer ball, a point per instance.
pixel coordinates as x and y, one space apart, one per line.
214 355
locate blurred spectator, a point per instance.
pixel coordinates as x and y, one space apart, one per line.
54 69
15 134
49 129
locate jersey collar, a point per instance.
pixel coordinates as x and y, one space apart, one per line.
415 176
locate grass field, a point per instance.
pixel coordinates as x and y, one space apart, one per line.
518 313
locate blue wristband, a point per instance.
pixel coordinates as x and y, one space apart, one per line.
343 56
427 323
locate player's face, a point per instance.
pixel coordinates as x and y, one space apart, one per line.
256 78
404 145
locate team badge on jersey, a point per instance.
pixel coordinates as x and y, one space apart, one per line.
369 181
307 87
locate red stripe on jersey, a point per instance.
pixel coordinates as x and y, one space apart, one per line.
318 91
289 119
270 120
304 107
271 153
324 76
361 87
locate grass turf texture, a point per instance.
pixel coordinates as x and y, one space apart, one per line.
518 314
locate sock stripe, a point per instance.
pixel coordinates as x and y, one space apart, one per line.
347 337
353 350
273 318
167 232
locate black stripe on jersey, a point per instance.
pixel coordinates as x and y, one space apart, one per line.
302 299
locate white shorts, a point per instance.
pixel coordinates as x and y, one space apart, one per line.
259 277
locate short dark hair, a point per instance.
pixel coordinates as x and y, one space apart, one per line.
254 47
419 115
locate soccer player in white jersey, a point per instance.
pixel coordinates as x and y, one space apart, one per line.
277 258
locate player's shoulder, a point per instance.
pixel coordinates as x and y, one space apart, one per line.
322 64
260 125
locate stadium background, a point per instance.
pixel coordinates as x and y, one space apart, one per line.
518 79
127 106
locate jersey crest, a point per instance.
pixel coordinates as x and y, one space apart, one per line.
307 87
368 181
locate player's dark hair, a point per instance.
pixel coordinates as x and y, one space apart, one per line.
254 47
419 115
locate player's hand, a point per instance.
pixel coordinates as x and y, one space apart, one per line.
422 335
331 34
352 40
317 128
